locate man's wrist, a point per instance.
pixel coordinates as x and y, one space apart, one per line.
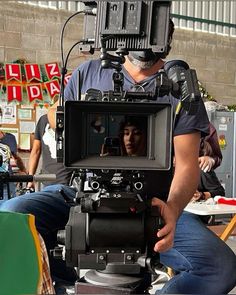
176 210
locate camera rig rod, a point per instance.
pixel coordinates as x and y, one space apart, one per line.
6 177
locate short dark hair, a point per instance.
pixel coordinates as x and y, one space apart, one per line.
138 121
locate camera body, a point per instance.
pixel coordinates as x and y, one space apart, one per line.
113 226
113 231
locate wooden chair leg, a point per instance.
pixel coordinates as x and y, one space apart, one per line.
229 229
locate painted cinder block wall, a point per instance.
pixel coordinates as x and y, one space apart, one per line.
33 33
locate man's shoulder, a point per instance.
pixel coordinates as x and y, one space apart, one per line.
91 66
185 123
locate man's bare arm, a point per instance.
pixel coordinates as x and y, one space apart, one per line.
184 184
186 176
34 156
19 163
52 115
34 159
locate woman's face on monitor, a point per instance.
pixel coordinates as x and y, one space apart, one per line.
134 141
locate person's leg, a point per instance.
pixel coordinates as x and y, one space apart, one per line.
204 264
12 188
51 214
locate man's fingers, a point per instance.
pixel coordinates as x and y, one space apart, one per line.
163 231
157 202
166 243
166 240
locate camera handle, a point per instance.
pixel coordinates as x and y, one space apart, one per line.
59 132
114 62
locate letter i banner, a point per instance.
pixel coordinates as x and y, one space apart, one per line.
14 92
32 72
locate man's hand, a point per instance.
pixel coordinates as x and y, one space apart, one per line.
198 196
30 185
167 232
206 163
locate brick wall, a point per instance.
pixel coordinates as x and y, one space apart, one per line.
33 33
214 58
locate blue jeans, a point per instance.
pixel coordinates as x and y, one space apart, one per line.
204 264
12 192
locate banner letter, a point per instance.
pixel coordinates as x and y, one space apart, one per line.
52 70
53 88
14 92
34 92
32 72
13 71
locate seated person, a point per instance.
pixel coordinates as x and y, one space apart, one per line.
210 158
8 139
209 187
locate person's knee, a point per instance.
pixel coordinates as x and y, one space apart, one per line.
17 204
62 189
227 267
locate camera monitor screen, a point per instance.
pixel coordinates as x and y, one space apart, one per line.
117 135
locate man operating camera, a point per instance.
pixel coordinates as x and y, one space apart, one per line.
185 244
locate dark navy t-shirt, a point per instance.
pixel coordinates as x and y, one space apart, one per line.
92 75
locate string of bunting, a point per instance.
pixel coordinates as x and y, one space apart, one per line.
31 78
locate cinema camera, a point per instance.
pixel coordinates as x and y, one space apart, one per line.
112 226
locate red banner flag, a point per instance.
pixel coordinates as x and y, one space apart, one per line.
52 70
34 92
53 87
32 72
67 78
13 71
14 92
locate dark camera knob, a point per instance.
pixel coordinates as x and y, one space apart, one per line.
138 185
95 185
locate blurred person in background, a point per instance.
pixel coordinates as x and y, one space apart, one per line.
9 140
44 145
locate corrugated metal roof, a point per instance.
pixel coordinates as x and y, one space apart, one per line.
217 17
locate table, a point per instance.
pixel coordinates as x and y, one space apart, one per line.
213 209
